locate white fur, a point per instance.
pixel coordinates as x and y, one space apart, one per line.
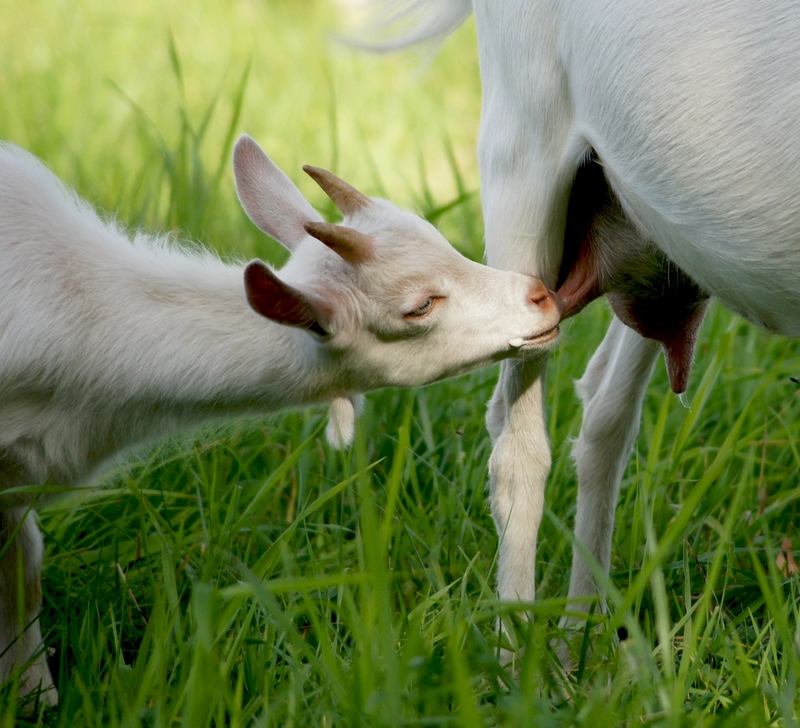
694 109
108 340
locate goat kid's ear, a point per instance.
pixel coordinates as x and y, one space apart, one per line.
268 196
269 296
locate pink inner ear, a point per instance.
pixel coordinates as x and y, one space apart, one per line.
269 197
278 301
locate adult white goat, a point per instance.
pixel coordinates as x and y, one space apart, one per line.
106 342
647 149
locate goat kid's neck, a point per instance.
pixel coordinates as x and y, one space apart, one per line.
175 346
223 358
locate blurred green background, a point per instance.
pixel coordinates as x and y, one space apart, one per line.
96 88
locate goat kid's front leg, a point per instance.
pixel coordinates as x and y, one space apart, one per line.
21 648
612 390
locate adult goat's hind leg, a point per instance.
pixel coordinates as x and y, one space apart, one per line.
612 390
21 648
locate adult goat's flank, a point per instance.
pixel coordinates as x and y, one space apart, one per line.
644 149
107 341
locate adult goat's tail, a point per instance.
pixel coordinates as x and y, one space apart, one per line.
392 24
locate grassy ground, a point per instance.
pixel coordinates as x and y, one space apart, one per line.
251 575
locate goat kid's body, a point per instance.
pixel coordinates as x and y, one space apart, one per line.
103 345
692 111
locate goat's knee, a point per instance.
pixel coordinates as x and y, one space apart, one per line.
21 649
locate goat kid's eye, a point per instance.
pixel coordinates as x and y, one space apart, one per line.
422 310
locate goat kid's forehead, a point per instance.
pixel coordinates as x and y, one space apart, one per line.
392 228
410 255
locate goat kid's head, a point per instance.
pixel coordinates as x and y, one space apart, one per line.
392 302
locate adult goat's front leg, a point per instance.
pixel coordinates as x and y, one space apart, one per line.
612 390
518 470
526 175
21 649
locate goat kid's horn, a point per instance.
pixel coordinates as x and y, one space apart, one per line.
353 246
346 197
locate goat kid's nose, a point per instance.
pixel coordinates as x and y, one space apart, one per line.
540 296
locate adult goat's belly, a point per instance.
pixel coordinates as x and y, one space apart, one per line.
615 248
726 211
693 110
753 269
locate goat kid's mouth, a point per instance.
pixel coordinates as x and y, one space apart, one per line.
531 342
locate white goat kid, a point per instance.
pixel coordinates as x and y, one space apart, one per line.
107 342
646 149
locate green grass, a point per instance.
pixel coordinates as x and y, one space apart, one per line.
251 575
